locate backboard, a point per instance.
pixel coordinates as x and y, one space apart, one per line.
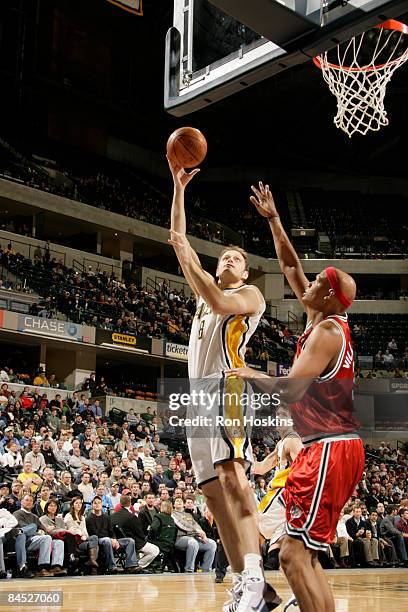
216 48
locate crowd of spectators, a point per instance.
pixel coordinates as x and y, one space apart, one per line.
100 300
352 227
97 494
91 495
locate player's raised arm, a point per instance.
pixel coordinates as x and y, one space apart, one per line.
288 260
181 179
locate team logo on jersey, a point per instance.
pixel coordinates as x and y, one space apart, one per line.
295 512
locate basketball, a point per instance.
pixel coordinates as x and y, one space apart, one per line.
187 146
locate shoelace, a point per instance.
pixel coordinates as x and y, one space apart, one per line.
247 594
235 594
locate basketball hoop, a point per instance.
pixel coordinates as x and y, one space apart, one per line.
358 73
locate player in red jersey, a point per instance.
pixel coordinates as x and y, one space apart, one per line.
327 469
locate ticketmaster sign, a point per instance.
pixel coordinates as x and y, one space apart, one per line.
53 328
177 351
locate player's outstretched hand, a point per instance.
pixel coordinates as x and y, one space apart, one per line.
181 178
263 200
181 246
244 373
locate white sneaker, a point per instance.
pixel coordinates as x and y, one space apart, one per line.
235 595
291 603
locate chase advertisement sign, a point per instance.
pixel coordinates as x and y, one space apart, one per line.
54 328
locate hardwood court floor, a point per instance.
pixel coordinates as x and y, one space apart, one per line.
354 590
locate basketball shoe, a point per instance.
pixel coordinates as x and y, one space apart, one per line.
257 596
291 604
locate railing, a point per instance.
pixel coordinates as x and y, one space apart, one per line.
293 321
172 284
101 266
30 251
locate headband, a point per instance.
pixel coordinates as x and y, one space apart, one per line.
335 285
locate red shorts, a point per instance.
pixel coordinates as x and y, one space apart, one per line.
321 480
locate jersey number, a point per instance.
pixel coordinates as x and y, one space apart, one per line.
201 330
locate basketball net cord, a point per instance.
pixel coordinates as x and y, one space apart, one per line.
360 90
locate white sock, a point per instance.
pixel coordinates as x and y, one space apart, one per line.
253 565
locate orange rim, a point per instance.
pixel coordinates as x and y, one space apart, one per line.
390 24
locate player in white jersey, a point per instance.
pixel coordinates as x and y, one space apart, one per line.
228 312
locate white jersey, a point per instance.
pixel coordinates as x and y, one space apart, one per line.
218 342
283 463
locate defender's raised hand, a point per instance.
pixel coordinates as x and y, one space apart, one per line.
181 178
263 201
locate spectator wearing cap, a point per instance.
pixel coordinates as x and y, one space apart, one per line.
132 527
5 501
114 494
35 457
11 460
8 437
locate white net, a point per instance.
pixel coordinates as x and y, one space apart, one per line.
359 75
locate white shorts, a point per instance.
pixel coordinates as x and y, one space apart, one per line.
218 442
272 516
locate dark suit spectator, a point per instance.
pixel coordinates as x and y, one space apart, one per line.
98 523
132 527
147 513
66 489
364 549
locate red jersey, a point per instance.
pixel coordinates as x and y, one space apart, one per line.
326 409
